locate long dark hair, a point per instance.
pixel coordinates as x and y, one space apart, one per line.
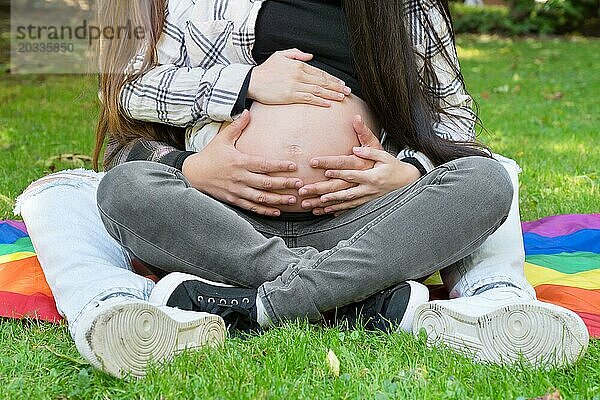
115 55
403 101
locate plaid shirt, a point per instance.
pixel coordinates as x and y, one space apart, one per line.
205 54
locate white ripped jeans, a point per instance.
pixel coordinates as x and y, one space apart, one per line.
83 264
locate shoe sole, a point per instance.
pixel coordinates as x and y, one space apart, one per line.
419 295
164 288
128 337
541 335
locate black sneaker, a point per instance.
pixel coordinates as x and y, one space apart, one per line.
237 306
387 311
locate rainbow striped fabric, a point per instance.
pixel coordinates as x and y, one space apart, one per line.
562 255
24 291
562 264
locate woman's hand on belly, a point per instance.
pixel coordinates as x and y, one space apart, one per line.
355 180
242 180
311 193
286 78
300 133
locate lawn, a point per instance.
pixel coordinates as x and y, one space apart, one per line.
539 102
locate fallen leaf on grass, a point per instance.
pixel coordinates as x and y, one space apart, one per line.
76 159
549 396
501 89
70 157
553 96
333 363
485 95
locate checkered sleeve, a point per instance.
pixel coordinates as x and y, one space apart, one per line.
143 150
443 80
176 93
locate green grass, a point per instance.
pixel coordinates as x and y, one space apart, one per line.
539 100
556 142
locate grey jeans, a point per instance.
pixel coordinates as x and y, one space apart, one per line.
304 266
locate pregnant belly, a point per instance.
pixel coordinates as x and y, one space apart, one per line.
299 133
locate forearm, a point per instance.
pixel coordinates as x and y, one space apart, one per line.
182 96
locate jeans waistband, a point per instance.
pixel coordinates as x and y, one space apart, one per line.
298 216
284 216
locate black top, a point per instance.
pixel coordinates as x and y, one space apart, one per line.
313 26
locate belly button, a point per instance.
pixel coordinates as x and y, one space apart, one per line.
294 149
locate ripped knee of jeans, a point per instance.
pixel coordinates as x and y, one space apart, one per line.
71 178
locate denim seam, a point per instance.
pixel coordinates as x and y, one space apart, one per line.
352 240
263 228
257 225
461 270
263 295
369 226
160 249
300 251
486 233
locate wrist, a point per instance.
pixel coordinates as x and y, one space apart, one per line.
415 163
407 174
185 166
252 84
180 158
192 170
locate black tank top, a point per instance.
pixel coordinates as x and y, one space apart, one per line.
313 26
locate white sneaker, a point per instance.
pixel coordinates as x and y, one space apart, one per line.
122 335
502 324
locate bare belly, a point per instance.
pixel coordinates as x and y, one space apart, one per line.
299 133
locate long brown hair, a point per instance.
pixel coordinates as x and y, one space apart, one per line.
404 102
141 25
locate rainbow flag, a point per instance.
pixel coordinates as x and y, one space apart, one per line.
24 292
562 255
562 264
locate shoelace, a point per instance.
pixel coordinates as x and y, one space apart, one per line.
237 317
